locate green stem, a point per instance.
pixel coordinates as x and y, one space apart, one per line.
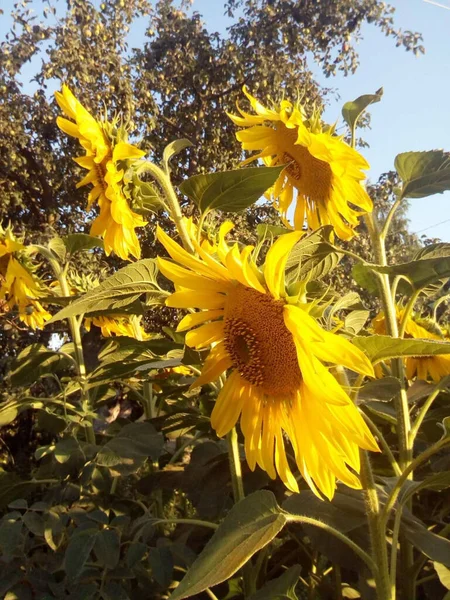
74 325
386 449
147 396
238 494
340 536
197 522
172 201
392 498
394 548
376 529
422 414
391 213
408 309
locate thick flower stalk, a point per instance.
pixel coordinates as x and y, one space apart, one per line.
274 351
107 154
323 174
19 285
423 367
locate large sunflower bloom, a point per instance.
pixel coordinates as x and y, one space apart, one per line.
424 367
116 222
325 172
275 351
18 286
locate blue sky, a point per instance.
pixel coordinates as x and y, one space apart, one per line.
413 114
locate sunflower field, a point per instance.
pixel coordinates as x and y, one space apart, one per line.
226 366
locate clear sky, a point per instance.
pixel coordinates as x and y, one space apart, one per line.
414 113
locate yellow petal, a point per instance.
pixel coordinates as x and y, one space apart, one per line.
205 335
194 319
275 263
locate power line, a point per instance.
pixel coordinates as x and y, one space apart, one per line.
431 226
437 4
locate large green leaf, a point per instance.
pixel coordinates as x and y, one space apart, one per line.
230 191
119 290
351 111
248 527
423 173
312 257
34 362
127 451
76 242
78 551
282 588
420 273
123 356
384 347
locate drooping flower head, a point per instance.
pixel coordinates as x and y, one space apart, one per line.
323 174
106 155
19 285
274 352
120 325
423 367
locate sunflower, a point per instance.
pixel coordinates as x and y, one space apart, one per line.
122 325
104 159
274 351
320 166
19 286
424 367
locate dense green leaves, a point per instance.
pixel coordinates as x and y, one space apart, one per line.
248 527
128 449
423 173
351 111
230 191
384 347
119 290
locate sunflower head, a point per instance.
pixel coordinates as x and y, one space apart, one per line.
119 325
107 155
322 177
273 353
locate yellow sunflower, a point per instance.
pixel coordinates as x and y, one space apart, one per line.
324 171
116 222
424 367
119 325
277 384
19 286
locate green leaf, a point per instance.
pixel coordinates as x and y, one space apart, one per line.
249 526
312 257
135 553
421 273
117 291
384 347
436 482
265 231
107 548
432 545
8 412
129 449
34 362
351 111
382 390
423 173
282 588
366 278
443 574
76 242
57 246
78 551
356 320
174 148
230 191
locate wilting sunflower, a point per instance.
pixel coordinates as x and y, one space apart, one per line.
321 168
106 155
274 351
424 367
19 286
118 325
